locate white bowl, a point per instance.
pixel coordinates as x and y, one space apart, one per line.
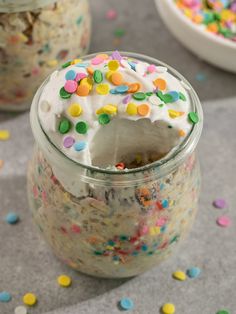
210 47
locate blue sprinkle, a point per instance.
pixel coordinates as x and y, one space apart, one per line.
144 247
113 91
135 253
165 203
78 146
200 77
193 272
12 218
82 65
175 95
133 65
122 89
115 258
70 75
163 228
110 242
5 296
162 185
126 304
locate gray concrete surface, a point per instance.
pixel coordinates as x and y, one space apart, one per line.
26 263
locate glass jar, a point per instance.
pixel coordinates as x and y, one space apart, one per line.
33 34
114 224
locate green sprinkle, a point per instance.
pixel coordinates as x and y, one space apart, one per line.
65 65
64 126
167 98
97 76
104 118
193 117
139 96
160 95
149 94
161 105
182 97
98 253
119 32
123 238
170 126
64 94
81 127
79 20
223 312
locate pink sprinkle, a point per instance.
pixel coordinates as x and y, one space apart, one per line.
223 221
143 230
35 71
160 222
80 76
97 60
111 14
151 68
35 192
126 99
44 196
71 86
75 229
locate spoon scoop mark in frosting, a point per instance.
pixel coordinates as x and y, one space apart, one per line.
111 108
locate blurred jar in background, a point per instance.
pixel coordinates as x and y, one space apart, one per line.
35 38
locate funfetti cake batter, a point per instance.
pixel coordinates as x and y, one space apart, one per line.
109 109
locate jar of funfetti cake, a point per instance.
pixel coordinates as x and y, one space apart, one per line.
113 184
37 36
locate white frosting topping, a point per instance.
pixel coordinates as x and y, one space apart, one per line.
101 123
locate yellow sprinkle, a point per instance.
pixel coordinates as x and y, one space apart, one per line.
180 275
154 230
168 308
175 114
102 89
75 61
99 111
52 63
75 110
23 38
64 281
113 65
87 81
109 74
227 15
110 109
4 135
110 248
132 109
29 299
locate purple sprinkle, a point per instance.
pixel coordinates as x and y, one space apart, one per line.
116 55
126 99
219 203
80 76
68 141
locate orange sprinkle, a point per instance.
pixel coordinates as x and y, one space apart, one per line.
134 87
212 27
182 133
90 70
143 110
104 56
198 19
82 90
160 83
117 78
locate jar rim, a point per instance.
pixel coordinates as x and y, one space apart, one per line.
176 155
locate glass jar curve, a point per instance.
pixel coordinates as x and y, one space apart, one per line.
32 44
110 224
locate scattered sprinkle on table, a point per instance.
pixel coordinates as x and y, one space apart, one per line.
12 218
30 299
111 14
20 310
5 296
4 135
119 32
200 77
168 308
223 221
219 203
179 275
64 281
223 312
126 304
193 272
1 163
